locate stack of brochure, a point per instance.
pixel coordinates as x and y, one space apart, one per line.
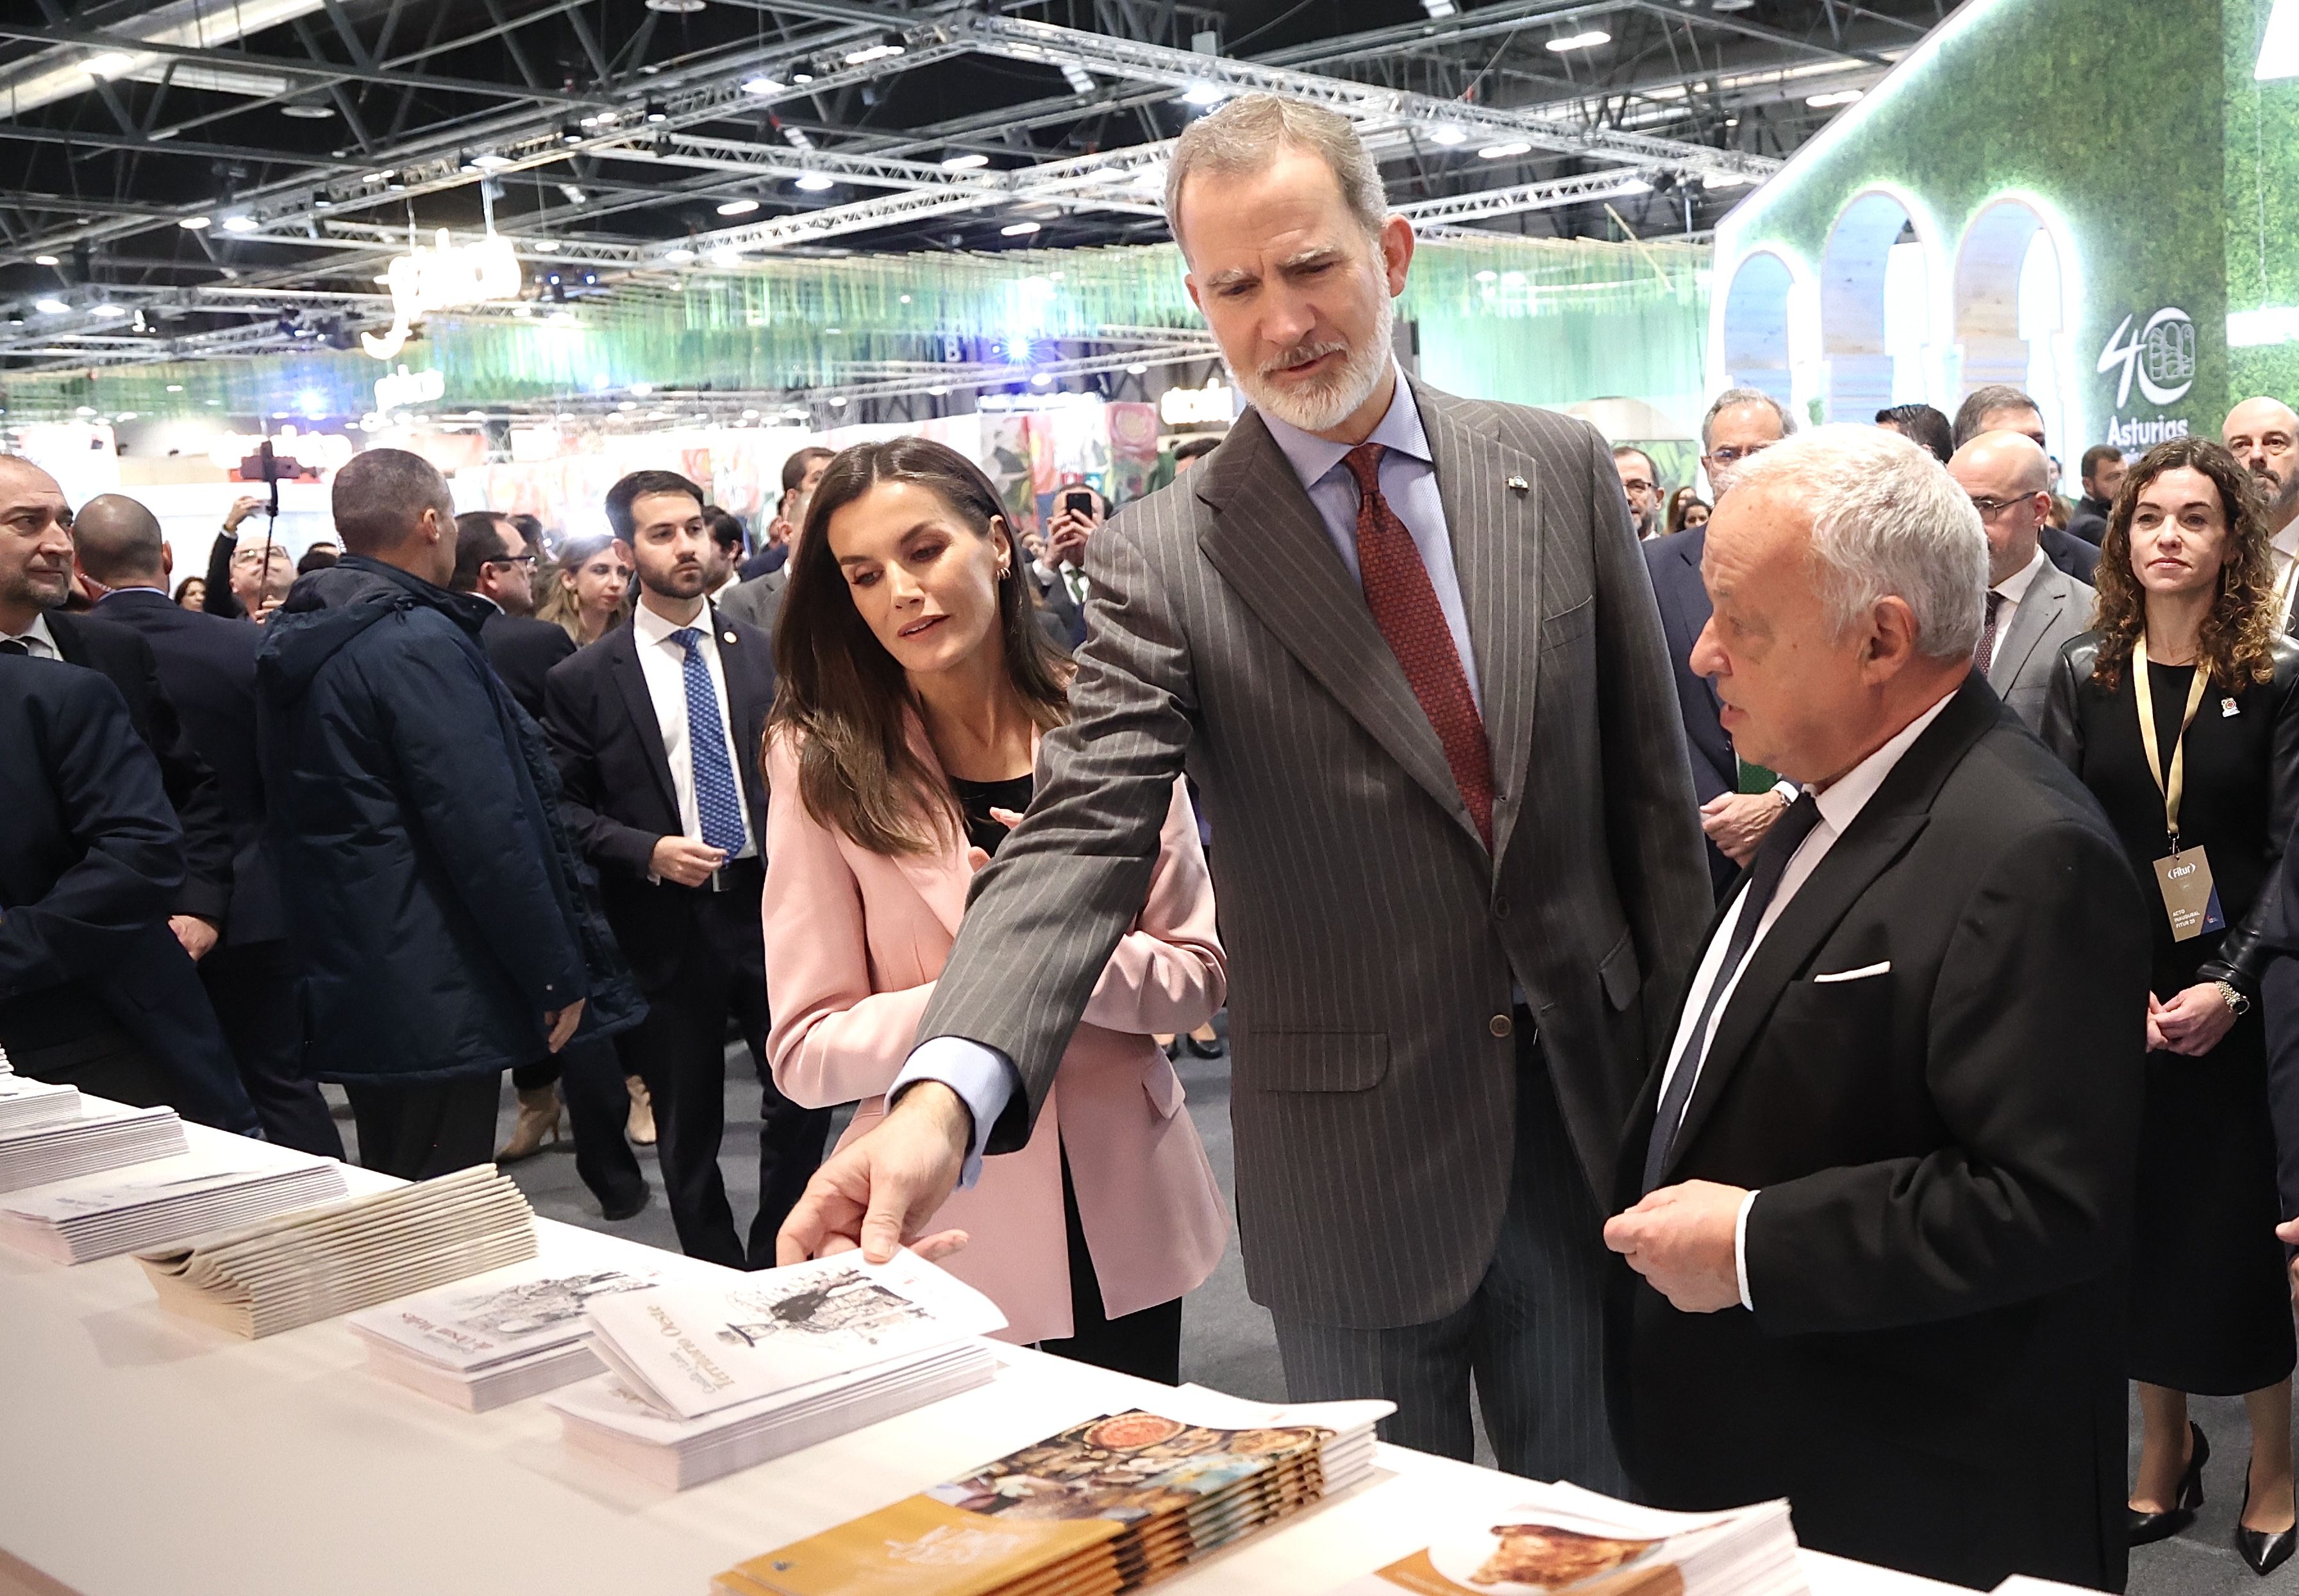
150 1204
24 1101
100 1135
279 1273
707 1381
1560 1538
1115 1502
497 1339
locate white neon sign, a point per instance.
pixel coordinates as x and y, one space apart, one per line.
424 280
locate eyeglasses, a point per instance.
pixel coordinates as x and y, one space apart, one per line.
1729 456
1635 485
512 559
1989 508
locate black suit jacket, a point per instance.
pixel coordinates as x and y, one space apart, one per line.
91 859
118 652
207 670
523 650
1943 1143
1063 617
2073 554
620 800
1674 562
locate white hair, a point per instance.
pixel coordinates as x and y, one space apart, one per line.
1732 398
1249 132
1887 521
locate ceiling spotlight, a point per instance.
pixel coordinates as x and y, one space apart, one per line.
1438 10
815 183
737 207
109 65
678 254
1448 135
838 402
1019 229
573 196
1040 379
175 387
726 255
801 77
1137 369
194 224
1842 96
52 307
675 7
490 160
797 138
307 111
1080 81
965 161
864 57
1202 94
46 261
938 392
1503 151
241 223
464 163
110 311
384 176
654 113
761 84
1587 40
569 134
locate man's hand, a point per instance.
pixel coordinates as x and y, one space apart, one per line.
198 936
1065 538
2195 1022
1737 822
878 1192
682 860
242 506
561 1024
1679 1238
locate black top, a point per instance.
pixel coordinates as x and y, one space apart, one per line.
976 800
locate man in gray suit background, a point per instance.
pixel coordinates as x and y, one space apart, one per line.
758 597
2033 607
1406 644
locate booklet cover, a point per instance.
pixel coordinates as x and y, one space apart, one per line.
691 1352
469 1327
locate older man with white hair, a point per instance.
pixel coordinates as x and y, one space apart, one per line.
1878 1187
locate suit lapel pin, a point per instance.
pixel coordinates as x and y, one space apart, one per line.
1517 485
728 636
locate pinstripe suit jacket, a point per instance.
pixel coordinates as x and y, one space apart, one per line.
1374 940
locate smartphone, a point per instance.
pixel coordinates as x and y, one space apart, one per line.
1077 501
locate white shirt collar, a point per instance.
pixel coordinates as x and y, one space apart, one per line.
653 628
38 632
1400 429
482 599
1848 795
2286 540
2015 587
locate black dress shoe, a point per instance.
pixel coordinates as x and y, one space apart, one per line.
1212 1049
627 1208
2145 1529
2265 1549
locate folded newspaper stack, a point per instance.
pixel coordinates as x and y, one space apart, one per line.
1562 1540
499 1337
24 1101
1115 1502
100 1135
706 1381
150 1204
296 1269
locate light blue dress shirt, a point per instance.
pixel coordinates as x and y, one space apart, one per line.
985 1079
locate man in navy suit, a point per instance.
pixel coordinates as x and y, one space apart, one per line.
207 670
94 991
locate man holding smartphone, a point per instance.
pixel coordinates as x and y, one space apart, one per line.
1078 510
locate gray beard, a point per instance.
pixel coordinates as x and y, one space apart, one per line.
1326 407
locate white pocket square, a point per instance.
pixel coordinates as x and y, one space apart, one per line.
1863 973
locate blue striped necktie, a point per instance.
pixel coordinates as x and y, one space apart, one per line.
717 796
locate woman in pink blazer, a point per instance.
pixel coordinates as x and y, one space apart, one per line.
914 681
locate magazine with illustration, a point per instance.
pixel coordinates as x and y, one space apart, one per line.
692 1351
1559 1540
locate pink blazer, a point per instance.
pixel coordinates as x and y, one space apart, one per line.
854 942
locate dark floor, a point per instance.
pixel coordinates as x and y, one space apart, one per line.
1227 1343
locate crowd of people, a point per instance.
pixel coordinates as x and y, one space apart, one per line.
1802 1002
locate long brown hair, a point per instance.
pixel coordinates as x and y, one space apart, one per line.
844 700
2235 643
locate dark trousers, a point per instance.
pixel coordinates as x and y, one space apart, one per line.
1532 1335
590 1077
1147 1344
680 1051
417 1130
254 990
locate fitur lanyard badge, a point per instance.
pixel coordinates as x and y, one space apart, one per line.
2184 875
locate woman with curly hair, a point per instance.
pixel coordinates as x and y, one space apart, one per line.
2177 711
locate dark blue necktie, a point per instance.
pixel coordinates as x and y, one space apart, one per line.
717 796
1773 855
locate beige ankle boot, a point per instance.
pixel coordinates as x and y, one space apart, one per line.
641 1127
537 1123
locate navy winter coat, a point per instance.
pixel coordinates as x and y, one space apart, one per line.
437 909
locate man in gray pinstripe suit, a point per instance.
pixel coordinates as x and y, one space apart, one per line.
1406 645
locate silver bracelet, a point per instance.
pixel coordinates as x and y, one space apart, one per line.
2237 1004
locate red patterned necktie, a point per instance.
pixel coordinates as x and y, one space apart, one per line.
1403 604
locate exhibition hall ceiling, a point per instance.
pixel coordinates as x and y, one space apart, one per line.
205 177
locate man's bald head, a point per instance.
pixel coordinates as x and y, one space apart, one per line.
2264 433
2009 479
2011 460
120 543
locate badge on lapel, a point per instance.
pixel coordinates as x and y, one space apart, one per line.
726 636
1517 485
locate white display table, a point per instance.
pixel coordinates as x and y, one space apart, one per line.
143 1454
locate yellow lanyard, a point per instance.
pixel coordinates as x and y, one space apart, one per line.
2173 782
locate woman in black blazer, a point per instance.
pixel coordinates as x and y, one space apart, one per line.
2181 711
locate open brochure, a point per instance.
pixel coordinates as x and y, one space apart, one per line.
690 1351
1558 1540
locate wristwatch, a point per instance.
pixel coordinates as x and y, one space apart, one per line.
2237 1004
